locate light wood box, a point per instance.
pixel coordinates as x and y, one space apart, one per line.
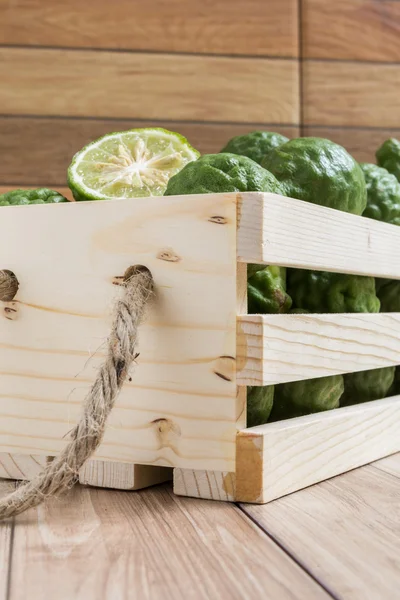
185 407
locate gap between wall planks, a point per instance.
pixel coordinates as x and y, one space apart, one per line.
279 348
276 459
185 395
277 230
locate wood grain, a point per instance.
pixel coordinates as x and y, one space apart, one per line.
390 464
38 151
100 544
20 466
361 143
147 86
209 485
5 544
180 408
345 532
358 30
122 476
279 458
217 485
278 348
277 230
227 27
351 94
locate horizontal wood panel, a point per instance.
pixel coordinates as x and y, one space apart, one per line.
279 348
180 409
344 532
358 29
226 26
351 94
148 86
361 143
38 151
279 458
273 229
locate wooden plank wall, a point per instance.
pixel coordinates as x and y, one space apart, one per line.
72 71
351 72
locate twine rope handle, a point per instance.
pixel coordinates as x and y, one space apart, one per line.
62 472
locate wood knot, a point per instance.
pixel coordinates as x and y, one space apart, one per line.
218 220
225 367
11 311
8 285
169 255
167 431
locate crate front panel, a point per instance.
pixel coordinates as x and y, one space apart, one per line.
180 408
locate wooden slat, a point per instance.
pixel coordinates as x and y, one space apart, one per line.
122 476
97 544
278 348
148 86
358 29
227 26
5 544
361 143
38 150
20 466
180 408
345 532
277 230
346 93
390 464
279 458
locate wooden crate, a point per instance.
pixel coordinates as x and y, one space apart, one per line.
185 406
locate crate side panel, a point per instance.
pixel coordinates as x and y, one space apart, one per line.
180 408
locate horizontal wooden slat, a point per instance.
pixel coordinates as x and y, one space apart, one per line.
345 93
283 231
278 348
358 29
148 86
39 150
279 458
361 143
226 26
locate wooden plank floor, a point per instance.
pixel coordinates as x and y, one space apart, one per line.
338 539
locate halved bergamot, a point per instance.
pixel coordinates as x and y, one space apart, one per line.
129 164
